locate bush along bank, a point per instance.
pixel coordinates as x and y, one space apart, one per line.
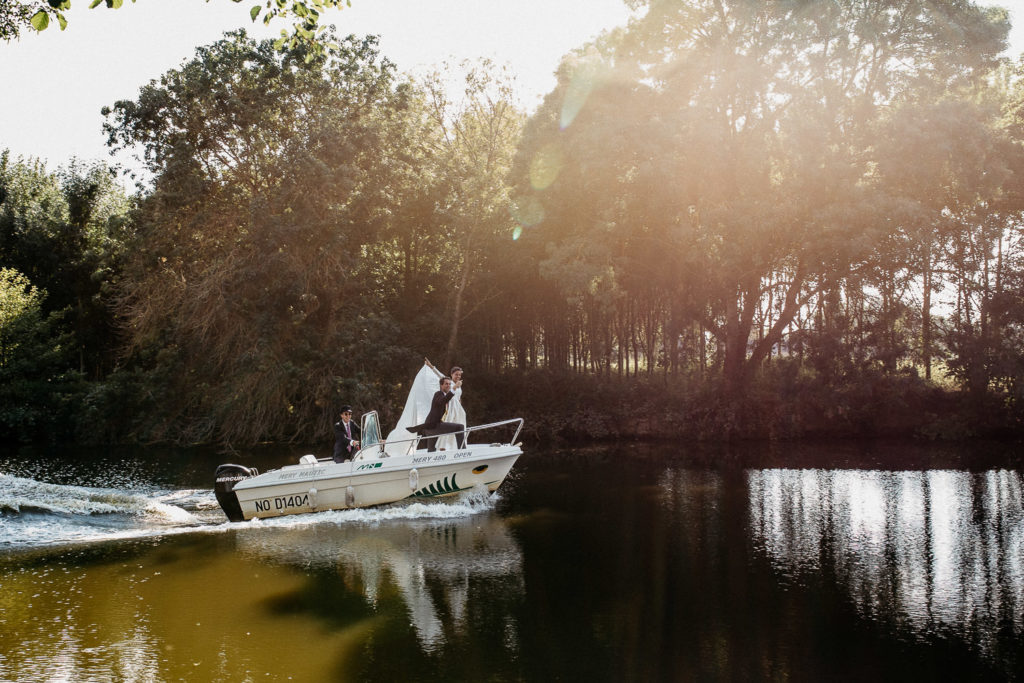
569 408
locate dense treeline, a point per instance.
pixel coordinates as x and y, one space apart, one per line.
729 218
62 241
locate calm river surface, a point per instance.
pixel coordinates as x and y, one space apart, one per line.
808 562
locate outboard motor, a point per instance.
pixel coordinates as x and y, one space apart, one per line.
225 479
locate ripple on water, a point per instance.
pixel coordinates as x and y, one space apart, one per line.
40 514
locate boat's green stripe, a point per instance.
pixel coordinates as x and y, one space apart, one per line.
438 488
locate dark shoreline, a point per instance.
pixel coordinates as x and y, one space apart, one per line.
563 409
577 409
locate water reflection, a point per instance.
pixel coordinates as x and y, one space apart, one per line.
933 550
430 563
602 564
300 601
148 613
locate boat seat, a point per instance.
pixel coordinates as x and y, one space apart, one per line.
308 460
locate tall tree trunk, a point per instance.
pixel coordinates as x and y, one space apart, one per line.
926 313
453 334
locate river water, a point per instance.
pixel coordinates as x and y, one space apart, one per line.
806 562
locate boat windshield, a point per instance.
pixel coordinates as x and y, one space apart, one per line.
370 432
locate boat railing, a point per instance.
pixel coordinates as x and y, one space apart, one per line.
517 421
381 448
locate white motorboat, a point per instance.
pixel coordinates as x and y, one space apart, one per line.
380 472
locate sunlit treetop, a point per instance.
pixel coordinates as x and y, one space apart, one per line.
17 15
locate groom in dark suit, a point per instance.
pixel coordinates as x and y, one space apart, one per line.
433 425
346 436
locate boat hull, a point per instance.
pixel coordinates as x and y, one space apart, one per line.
326 485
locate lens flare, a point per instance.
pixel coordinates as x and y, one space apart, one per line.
546 165
527 211
517 233
589 73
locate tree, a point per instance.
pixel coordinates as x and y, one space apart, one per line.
736 139
475 149
66 232
35 381
20 313
15 16
251 288
18 15
947 164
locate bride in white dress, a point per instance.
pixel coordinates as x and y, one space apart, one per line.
400 440
455 413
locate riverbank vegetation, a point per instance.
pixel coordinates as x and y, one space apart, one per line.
765 220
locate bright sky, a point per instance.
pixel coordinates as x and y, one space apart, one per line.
53 84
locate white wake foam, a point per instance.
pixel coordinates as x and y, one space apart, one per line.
18 494
39 514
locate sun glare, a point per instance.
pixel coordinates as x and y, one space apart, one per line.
546 165
586 77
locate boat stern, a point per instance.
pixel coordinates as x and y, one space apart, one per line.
225 479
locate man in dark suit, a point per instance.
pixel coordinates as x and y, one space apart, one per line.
433 425
346 436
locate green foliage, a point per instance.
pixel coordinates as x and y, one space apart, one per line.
475 145
66 232
60 233
787 401
708 230
306 31
254 283
20 313
734 182
15 16
36 385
